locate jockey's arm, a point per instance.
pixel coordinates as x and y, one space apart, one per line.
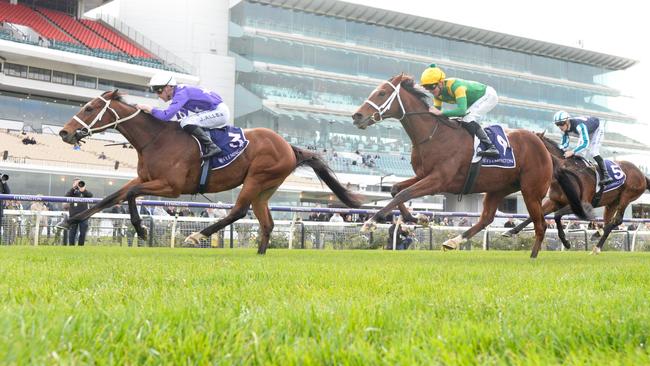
460 94
565 141
437 106
178 101
583 138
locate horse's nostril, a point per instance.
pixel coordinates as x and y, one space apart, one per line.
63 133
357 116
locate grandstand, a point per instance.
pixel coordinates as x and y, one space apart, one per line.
300 68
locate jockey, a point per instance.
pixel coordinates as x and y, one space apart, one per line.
590 132
472 98
195 107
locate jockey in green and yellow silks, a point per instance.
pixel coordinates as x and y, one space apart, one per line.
473 100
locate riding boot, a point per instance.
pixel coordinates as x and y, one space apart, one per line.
209 148
490 150
605 178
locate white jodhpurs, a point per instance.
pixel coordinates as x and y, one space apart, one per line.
217 118
477 111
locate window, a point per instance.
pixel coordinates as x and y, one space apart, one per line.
86 81
61 77
16 70
37 73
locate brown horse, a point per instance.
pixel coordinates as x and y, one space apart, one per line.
441 156
615 200
169 165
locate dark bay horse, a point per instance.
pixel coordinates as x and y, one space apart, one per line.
169 165
441 156
615 200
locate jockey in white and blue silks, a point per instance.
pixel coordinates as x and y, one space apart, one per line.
590 135
196 108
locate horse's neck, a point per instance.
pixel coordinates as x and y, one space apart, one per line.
141 130
425 128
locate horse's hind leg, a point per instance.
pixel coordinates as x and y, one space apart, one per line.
156 187
490 204
613 218
237 212
263 214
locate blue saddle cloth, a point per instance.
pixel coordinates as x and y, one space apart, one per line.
232 142
616 173
500 140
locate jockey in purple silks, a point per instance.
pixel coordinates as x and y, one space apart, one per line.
196 108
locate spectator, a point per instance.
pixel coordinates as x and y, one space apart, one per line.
336 217
509 223
463 222
401 237
78 190
4 189
102 156
39 207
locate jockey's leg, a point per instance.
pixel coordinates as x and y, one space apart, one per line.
209 147
490 150
605 178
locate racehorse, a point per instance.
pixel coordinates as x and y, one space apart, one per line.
441 156
615 200
169 165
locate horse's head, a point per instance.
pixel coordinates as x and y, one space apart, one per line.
383 102
93 117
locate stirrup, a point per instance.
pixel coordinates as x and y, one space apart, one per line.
212 153
490 152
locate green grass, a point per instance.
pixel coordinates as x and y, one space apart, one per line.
99 305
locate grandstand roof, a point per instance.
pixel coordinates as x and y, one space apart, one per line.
418 24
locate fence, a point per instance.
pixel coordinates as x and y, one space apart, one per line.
25 227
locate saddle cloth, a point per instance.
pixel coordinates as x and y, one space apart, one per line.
232 142
500 140
614 170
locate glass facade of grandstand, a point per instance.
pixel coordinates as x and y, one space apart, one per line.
312 71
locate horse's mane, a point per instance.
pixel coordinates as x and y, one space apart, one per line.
419 92
555 150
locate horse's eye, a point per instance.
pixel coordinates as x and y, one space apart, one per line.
88 109
382 93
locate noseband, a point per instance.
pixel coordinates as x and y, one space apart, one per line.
88 129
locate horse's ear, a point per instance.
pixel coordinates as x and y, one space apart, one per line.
115 94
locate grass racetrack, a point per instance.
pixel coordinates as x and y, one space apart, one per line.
103 305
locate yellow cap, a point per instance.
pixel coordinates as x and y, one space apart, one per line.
432 75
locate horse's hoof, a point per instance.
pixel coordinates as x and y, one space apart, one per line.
63 226
452 244
595 250
194 239
142 232
423 220
508 234
368 226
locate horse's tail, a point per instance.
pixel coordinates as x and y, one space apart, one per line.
566 179
325 174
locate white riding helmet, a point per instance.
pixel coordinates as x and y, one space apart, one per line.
560 117
162 79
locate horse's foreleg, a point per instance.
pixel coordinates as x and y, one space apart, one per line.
398 187
490 204
422 187
156 187
108 201
558 224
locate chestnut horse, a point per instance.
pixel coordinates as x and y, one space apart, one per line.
441 156
615 200
169 165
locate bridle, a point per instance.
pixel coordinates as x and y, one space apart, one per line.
88 129
378 116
